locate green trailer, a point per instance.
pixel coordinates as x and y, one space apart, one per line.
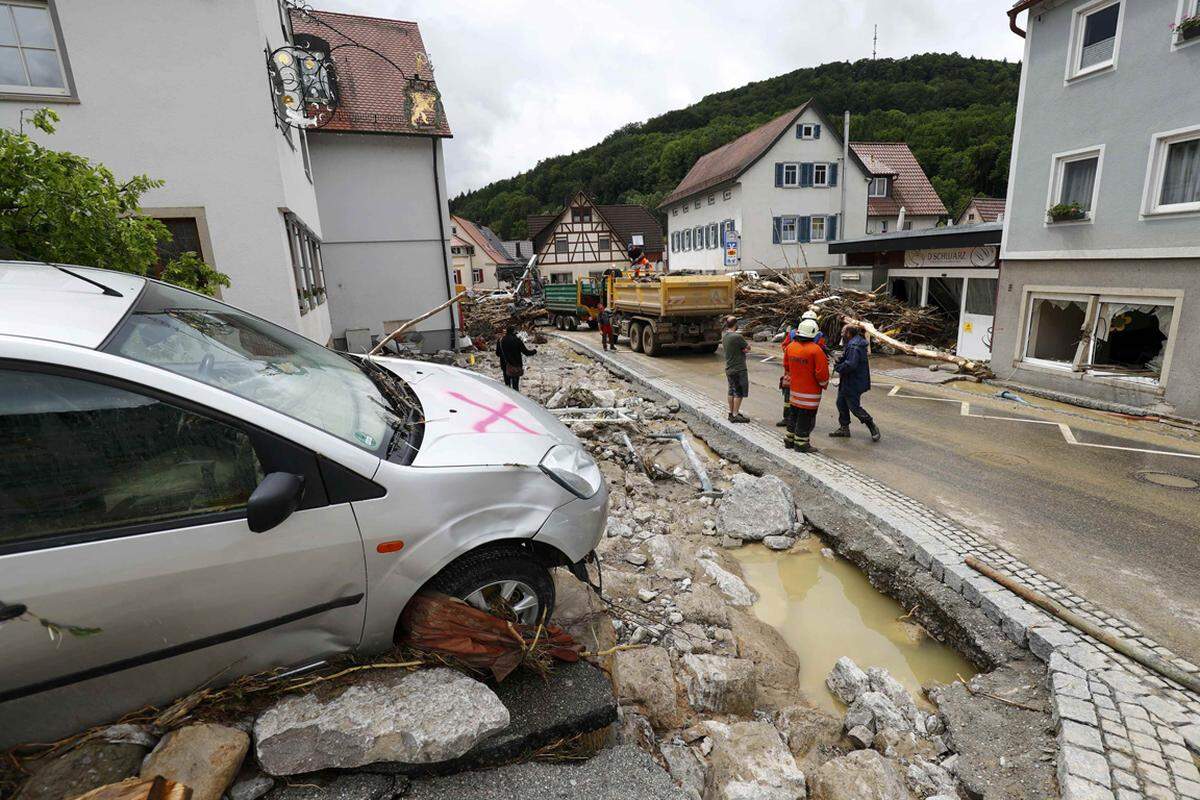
571 304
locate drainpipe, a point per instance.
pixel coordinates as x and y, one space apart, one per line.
845 178
437 194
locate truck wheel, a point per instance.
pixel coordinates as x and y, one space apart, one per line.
501 578
572 323
650 344
635 337
558 321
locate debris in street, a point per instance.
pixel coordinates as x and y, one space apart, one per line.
400 330
156 788
485 317
757 507
1005 394
205 758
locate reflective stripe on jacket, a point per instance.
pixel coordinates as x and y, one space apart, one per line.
808 371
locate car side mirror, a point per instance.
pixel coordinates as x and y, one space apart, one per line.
274 500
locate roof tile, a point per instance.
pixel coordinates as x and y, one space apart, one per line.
910 186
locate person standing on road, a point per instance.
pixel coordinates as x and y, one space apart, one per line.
808 373
736 374
512 352
855 370
607 340
785 384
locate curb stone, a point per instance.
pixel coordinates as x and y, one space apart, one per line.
1151 722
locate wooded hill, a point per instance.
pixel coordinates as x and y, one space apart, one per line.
956 113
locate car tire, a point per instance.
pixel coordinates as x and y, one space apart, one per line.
650 344
635 337
558 321
490 570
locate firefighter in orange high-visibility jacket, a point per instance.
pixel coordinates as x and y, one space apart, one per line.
807 368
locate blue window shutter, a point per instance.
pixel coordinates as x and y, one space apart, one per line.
775 230
831 228
816 131
833 174
799 131
805 229
806 174
778 174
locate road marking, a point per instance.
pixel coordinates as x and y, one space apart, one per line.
1067 434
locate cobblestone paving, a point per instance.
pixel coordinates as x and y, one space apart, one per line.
1124 733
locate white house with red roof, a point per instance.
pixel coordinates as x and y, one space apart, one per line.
900 196
982 209
478 255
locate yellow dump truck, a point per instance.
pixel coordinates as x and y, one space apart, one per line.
671 310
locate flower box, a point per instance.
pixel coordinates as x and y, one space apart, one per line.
1188 28
1066 212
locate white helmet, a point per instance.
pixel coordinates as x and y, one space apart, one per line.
810 314
808 329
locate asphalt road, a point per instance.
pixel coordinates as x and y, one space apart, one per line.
1084 516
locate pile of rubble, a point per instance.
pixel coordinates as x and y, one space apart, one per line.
771 305
485 317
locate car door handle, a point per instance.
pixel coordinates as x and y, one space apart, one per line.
8 612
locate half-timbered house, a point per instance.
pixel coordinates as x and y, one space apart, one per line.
585 238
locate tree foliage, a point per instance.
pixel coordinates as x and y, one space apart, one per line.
58 206
956 113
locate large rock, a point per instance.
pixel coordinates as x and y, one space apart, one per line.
775 663
703 605
645 677
719 684
757 507
927 779
804 727
752 763
204 757
881 681
875 711
686 769
736 592
861 775
93 764
846 680
418 717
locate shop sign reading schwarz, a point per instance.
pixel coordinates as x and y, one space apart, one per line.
983 256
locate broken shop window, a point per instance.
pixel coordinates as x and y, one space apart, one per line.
1108 337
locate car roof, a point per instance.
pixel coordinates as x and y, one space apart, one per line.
40 301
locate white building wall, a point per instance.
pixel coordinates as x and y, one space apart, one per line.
190 104
684 216
386 256
918 223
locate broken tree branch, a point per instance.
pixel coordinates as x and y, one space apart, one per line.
922 352
1120 644
377 349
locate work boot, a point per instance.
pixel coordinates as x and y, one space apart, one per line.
740 417
874 429
789 442
804 446
841 433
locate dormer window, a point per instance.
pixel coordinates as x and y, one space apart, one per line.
806 130
1095 38
878 187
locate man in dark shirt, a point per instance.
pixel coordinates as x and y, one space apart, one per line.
512 351
736 348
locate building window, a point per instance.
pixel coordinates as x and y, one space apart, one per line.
971 217
30 62
820 174
560 245
581 215
712 198
712 236
1075 181
686 207
1055 328
561 277
698 237
1188 10
877 187
697 204
674 211
1095 38
818 276
791 174
476 275
458 277
604 244
307 267
638 239
817 231
787 230
1173 182
727 194
806 131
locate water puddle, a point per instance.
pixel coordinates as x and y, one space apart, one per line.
825 608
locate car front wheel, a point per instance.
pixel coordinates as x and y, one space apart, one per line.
508 581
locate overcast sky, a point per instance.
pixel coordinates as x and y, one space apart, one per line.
523 80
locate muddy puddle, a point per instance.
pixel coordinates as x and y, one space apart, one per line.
825 608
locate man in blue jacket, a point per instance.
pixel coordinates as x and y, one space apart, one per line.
855 370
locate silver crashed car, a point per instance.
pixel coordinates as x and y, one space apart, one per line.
189 493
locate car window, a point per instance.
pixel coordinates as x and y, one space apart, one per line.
227 348
78 456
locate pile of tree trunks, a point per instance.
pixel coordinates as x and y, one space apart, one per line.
775 302
485 317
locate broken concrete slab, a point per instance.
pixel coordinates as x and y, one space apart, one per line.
846 680
861 775
751 761
753 508
416 717
205 757
736 592
719 684
88 766
646 678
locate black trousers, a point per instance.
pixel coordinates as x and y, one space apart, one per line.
512 381
851 403
801 424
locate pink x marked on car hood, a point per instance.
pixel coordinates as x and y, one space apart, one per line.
471 420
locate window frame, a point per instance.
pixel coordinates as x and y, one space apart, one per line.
727 194
783 225
566 245
714 232
1058 163
871 187
808 130
474 271
49 94
637 239
1187 10
1156 169
1079 30
603 243
823 184
812 229
687 239
274 453
795 168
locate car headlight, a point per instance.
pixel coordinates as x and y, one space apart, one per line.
573 468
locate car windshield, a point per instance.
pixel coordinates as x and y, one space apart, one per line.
350 398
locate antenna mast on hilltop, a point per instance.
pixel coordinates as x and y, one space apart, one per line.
875 43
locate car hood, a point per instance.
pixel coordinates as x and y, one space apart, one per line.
471 420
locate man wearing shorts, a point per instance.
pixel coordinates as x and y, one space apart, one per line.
736 348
